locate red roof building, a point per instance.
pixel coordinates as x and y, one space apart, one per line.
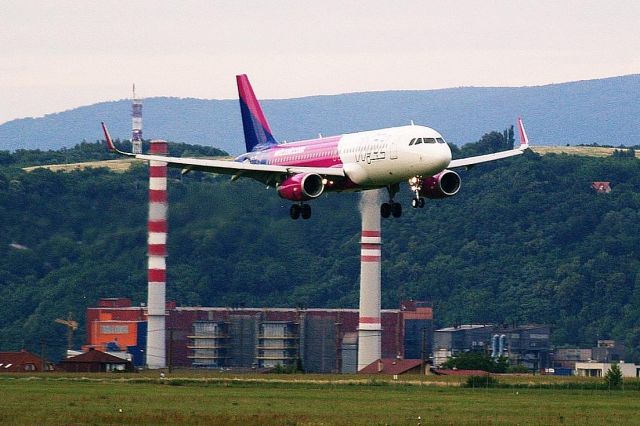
393 366
22 362
601 187
95 361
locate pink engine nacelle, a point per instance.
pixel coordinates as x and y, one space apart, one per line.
444 184
301 187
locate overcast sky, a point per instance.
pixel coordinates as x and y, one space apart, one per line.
58 55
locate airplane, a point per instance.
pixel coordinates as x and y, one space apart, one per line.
304 170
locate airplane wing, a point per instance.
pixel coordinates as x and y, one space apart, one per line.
236 168
262 172
470 161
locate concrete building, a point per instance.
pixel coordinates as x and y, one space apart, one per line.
322 340
599 369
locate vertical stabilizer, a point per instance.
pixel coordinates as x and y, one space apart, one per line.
257 133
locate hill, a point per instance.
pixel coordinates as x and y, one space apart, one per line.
526 240
602 111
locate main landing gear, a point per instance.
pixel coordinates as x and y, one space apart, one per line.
298 210
391 208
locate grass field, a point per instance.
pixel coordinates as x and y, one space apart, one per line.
588 151
280 400
118 166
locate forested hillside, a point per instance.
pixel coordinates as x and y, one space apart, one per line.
525 240
602 111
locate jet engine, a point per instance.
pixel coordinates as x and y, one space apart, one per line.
301 187
444 184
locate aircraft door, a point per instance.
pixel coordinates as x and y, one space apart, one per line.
393 148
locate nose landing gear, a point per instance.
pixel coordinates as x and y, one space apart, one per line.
417 203
415 183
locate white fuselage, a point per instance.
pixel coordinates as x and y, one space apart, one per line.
370 159
388 156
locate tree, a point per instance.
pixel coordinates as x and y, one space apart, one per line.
613 378
476 361
624 153
526 240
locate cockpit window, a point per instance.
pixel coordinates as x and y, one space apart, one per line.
418 141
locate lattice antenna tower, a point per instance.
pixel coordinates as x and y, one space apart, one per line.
136 124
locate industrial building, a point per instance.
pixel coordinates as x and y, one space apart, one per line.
599 369
566 358
451 341
526 345
320 340
529 346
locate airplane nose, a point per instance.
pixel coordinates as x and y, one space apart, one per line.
446 155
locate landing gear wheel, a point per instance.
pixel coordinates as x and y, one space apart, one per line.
385 210
294 211
396 209
417 203
306 211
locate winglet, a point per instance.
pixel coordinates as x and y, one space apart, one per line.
110 143
524 140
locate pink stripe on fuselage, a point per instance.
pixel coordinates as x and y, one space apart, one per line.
321 152
308 153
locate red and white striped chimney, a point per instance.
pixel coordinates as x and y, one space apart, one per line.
157 253
370 327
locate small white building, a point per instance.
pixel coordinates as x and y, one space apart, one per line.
599 369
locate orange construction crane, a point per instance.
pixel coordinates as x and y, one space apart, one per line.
71 327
